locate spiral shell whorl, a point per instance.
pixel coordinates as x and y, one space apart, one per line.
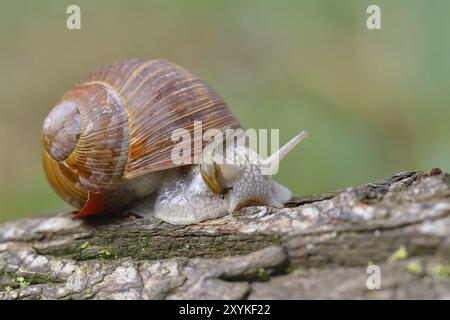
89 151
61 130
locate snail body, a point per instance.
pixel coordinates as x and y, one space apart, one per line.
107 147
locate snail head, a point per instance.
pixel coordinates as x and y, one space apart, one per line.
242 176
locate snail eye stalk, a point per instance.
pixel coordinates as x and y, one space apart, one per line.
209 175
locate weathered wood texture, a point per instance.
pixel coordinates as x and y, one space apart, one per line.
316 247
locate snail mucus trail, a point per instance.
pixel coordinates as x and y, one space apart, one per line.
107 147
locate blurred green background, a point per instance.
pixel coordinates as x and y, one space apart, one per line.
374 102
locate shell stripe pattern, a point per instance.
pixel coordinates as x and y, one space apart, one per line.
161 97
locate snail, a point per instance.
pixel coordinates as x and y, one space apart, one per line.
108 147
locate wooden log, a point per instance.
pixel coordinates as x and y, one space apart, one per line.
316 247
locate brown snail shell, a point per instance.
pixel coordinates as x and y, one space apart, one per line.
115 126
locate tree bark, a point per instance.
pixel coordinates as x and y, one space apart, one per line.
335 245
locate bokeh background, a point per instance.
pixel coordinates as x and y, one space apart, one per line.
374 102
